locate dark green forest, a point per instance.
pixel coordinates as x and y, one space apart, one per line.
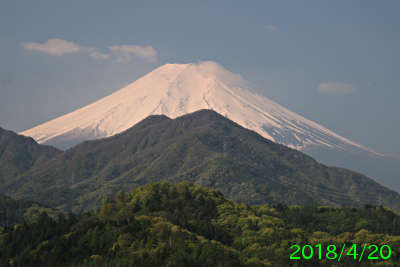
183 224
18 211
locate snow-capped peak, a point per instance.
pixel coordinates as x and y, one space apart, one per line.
177 89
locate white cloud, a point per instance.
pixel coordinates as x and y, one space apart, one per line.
271 28
124 53
56 47
336 87
99 56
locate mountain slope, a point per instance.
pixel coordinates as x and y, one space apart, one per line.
19 153
177 89
203 147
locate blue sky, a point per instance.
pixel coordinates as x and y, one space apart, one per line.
334 62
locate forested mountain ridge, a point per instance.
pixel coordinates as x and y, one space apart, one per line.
164 224
202 147
19 153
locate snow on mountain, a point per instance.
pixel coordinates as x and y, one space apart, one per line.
178 89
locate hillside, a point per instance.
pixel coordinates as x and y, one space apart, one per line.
162 224
18 154
203 147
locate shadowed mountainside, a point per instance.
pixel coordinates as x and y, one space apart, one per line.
18 154
202 147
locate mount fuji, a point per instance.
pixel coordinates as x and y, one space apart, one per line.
178 89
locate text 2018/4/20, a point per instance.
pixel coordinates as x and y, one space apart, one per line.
307 252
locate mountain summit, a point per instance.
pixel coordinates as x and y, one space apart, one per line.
178 89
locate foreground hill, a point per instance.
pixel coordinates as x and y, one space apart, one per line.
203 147
161 224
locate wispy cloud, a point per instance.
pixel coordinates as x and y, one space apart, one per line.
56 47
99 56
336 87
125 53
271 28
